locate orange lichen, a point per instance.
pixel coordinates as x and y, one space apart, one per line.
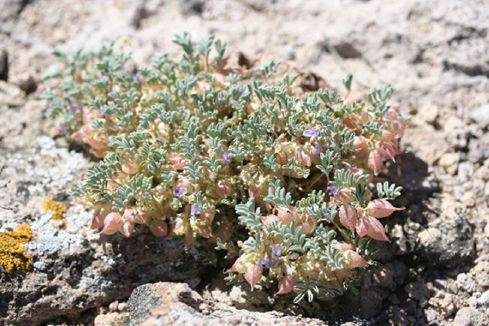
12 253
57 209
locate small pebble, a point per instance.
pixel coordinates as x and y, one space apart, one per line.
114 305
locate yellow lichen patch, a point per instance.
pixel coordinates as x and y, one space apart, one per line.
12 253
57 209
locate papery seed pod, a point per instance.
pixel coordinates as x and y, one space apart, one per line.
130 168
348 217
364 117
241 264
224 189
287 214
349 121
126 228
342 274
286 285
178 162
101 211
345 195
398 127
179 226
375 161
99 145
387 135
269 219
354 260
282 158
343 246
302 157
376 229
253 274
381 208
204 231
111 223
359 143
159 228
388 150
308 225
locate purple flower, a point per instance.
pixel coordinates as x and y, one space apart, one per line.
76 108
226 157
318 150
62 129
136 77
195 210
180 192
387 115
332 190
276 252
267 263
310 133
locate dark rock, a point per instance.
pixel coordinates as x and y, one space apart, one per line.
3 65
192 7
448 243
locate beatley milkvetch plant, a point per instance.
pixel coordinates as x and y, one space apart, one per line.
280 178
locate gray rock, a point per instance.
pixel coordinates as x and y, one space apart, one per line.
446 243
470 317
483 301
75 268
480 116
176 304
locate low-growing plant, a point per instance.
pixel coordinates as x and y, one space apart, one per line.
280 178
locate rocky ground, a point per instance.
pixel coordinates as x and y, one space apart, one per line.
436 53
